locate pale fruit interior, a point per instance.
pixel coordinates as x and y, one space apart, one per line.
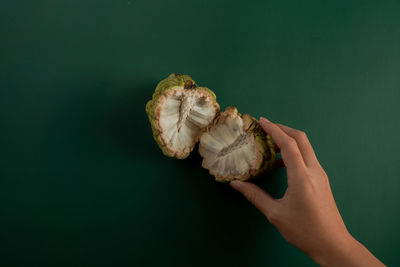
228 151
184 112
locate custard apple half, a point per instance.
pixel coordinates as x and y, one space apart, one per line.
234 147
178 112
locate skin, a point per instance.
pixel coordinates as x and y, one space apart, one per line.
307 215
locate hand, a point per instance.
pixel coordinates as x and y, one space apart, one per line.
307 215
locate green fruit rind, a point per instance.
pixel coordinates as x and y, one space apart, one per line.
265 145
269 153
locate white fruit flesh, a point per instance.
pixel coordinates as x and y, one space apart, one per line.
182 115
229 152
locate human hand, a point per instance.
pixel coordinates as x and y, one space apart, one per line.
307 215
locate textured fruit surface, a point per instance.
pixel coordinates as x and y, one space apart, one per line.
178 112
234 147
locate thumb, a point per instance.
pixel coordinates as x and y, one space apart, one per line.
262 200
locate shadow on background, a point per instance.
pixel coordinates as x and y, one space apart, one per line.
176 208
228 221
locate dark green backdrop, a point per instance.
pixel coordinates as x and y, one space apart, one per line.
83 183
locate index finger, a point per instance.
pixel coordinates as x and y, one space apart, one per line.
289 150
303 143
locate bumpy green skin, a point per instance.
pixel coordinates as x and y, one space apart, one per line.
266 147
174 79
265 142
267 161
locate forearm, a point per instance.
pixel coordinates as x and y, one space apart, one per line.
346 252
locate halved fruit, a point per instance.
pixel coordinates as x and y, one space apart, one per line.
178 112
234 147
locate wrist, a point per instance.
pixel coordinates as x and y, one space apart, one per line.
336 250
345 250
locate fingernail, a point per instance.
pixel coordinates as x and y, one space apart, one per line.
263 120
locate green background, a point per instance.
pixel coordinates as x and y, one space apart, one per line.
83 183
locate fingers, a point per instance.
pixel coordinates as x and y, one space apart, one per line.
289 150
264 202
303 143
